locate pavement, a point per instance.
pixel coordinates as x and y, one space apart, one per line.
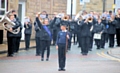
97 61
114 52
3 47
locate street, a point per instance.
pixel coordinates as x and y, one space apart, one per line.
97 61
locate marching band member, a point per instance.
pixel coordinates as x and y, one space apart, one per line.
37 36
105 22
45 35
99 29
112 30
85 36
27 32
18 36
11 38
118 27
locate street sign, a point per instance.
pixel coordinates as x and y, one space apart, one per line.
82 2
87 1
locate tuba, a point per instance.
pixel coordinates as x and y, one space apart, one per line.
7 24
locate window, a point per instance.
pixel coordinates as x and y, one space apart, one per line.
3 7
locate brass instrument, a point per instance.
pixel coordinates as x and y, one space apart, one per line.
65 18
103 18
7 24
117 16
90 19
79 14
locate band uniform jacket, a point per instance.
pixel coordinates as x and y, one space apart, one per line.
28 28
118 22
44 34
9 34
112 27
85 29
37 29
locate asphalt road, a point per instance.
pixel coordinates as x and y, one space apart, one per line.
97 61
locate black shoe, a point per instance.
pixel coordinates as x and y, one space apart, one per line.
84 54
102 47
11 55
63 69
117 45
59 69
110 46
98 48
42 59
90 49
27 49
47 59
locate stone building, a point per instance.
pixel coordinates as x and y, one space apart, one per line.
30 7
95 5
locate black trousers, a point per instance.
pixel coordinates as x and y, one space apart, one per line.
17 42
11 45
103 40
106 37
61 55
79 40
74 38
38 45
69 42
98 43
118 36
91 42
27 41
45 45
111 40
55 32
85 42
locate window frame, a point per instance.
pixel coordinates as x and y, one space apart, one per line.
3 9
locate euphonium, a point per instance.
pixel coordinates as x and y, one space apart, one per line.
7 24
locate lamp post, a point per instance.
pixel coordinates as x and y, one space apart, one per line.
114 4
71 8
104 6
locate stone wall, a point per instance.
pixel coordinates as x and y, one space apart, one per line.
95 5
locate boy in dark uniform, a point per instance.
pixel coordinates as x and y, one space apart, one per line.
61 45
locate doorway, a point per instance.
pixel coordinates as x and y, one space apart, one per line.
21 15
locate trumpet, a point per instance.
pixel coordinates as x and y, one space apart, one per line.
90 19
65 18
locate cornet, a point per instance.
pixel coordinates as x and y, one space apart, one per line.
90 19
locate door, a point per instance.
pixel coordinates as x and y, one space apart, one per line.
21 15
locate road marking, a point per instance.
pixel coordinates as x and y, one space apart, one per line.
102 54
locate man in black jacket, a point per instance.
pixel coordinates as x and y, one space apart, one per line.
112 31
118 28
85 36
